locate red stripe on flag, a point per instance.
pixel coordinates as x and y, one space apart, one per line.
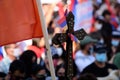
61 20
1 57
61 9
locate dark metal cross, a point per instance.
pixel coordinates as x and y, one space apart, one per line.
65 37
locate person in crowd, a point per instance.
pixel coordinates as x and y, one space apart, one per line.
116 18
38 73
60 72
48 10
115 40
100 67
57 49
44 63
38 46
83 56
57 60
115 44
16 71
10 57
116 57
106 31
29 58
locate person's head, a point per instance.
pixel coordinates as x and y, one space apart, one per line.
56 50
87 76
115 38
107 15
10 50
28 57
38 72
87 43
55 58
100 52
17 70
60 71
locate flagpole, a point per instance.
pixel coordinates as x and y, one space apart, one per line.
45 34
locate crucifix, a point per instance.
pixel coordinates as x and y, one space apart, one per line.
59 38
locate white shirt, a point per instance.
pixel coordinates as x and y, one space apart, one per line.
82 60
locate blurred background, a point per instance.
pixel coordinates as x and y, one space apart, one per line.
99 18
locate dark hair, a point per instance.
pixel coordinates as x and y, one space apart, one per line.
87 76
106 12
27 56
17 65
36 68
58 67
55 56
82 47
99 47
50 29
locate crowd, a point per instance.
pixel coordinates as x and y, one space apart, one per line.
94 57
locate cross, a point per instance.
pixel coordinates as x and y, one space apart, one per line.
59 38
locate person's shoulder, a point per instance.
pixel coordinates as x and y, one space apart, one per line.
112 66
109 64
79 53
90 66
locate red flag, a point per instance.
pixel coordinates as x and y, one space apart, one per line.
19 20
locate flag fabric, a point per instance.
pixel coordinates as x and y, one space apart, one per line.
62 22
62 16
83 15
73 5
61 9
1 54
19 20
82 10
